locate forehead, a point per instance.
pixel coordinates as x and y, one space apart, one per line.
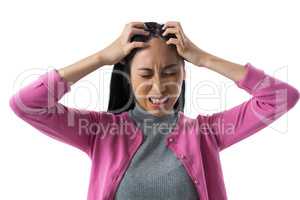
157 54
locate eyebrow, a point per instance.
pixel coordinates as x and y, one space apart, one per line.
164 68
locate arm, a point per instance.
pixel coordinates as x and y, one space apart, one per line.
37 104
224 67
77 70
271 98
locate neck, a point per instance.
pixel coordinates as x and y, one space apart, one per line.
140 113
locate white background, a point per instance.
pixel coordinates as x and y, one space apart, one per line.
39 35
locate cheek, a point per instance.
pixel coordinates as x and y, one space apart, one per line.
174 89
174 92
141 88
174 86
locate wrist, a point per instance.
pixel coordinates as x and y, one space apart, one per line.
203 58
99 57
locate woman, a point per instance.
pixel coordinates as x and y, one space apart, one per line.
132 156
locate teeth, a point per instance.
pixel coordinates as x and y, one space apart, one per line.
158 100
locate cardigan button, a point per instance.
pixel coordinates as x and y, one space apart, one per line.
182 156
196 181
171 139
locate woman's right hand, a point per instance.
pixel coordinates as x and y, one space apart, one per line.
122 46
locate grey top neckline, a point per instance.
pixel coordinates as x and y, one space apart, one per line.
140 114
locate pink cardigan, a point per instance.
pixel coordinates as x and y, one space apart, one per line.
110 140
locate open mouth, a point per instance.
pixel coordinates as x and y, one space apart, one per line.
159 101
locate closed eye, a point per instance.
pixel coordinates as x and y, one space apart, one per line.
170 71
146 75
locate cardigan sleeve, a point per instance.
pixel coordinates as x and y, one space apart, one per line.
270 99
37 104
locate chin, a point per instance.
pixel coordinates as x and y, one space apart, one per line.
160 111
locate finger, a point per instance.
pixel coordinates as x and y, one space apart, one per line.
136 24
173 41
134 45
170 24
138 31
169 30
175 24
176 32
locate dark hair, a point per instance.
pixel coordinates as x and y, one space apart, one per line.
121 96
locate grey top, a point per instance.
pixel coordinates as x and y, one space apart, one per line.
155 172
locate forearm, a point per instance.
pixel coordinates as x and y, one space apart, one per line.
224 67
81 68
270 99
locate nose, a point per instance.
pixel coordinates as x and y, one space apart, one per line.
158 85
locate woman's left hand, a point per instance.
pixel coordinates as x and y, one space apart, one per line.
185 48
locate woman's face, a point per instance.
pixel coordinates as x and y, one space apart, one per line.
156 76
